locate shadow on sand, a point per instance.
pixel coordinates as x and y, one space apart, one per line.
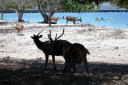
30 72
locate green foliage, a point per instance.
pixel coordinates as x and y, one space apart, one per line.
80 5
71 5
120 3
12 4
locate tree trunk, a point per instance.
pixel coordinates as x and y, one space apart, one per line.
49 19
20 15
2 14
20 18
43 15
45 18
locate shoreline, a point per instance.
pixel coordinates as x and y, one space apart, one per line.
4 22
36 11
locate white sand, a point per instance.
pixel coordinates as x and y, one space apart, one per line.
108 45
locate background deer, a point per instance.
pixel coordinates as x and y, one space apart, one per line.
19 27
74 19
49 48
54 19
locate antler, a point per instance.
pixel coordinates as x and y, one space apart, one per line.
59 36
40 32
49 36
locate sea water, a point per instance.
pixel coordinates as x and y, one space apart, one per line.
112 19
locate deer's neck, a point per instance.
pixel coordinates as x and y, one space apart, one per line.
77 19
38 43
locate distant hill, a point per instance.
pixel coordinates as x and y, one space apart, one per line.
108 6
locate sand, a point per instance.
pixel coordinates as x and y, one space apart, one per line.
108 46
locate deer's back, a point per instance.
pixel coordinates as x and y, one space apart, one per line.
70 18
59 45
54 48
78 52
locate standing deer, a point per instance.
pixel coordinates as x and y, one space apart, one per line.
74 19
49 48
74 54
19 27
60 45
54 19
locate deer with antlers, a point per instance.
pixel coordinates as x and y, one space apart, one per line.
74 54
71 18
19 27
54 19
50 48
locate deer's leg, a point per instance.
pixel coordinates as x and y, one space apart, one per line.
65 68
69 71
66 22
46 56
74 68
53 59
74 22
21 31
86 65
56 22
18 31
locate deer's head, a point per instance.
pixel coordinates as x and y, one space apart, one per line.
36 37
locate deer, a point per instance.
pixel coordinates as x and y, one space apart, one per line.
59 45
49 48
73 54
19 27
74 19
76 54
54 19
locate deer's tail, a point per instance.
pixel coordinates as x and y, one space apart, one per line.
86 50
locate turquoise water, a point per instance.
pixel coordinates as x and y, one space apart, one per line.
119 19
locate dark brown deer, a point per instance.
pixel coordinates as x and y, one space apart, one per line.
60 45
50 48
74 19
74 54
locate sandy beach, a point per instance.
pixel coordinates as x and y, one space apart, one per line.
108 48
108 45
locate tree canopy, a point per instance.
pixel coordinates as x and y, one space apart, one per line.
70 5
120 3
80 5
19 6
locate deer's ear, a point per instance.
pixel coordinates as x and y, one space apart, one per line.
40 36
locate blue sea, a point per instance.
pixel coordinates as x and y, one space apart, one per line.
118 19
